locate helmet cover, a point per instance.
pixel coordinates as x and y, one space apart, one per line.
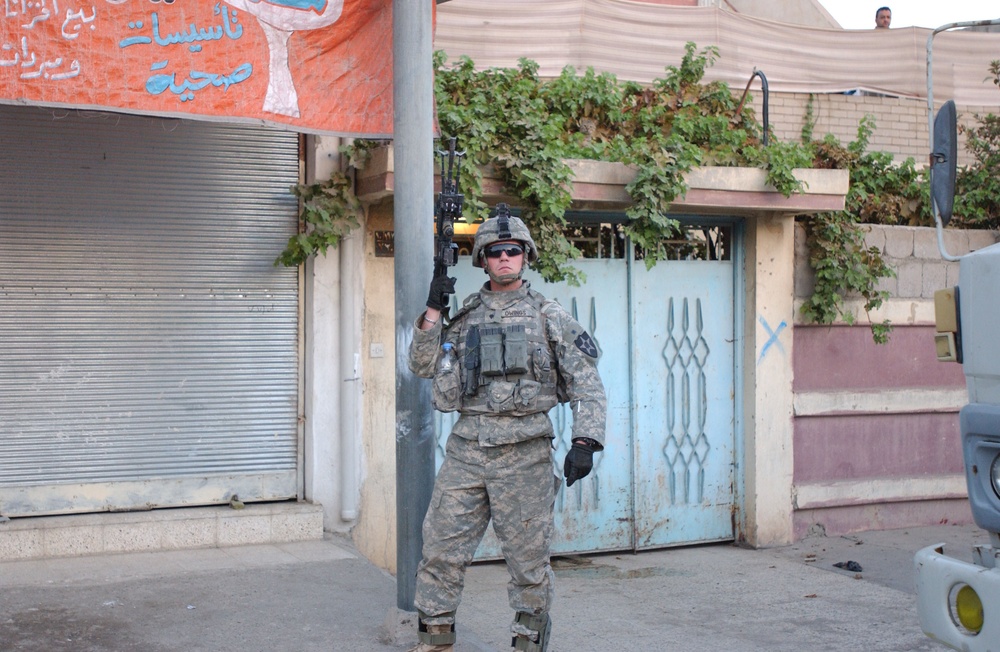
500 228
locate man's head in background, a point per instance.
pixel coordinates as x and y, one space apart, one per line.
883 17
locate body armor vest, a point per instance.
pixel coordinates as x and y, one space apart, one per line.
505 363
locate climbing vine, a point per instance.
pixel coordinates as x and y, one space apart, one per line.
330 210
879 192
843 264
524 128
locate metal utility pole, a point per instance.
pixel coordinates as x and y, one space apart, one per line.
413 142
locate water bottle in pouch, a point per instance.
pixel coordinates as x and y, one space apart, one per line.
448 360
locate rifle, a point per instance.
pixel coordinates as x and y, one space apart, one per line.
447 209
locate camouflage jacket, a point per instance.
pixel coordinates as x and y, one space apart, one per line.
517 356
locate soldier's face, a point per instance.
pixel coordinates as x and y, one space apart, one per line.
504 261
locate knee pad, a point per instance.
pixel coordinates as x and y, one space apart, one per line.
436 634
531 633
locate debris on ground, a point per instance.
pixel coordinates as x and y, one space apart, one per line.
852 566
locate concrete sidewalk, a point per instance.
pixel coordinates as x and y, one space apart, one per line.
322 595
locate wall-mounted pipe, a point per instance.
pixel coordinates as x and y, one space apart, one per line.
351 265
763 86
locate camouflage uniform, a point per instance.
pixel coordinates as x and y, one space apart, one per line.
498 461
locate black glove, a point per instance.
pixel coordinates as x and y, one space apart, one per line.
441 287
578 464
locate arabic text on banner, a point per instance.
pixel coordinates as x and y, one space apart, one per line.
310 65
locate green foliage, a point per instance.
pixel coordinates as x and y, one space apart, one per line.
885 192
330 210
501 118
809 120
843 265
837 252
779 160
525 128
977 187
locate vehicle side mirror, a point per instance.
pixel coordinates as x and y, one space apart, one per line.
943 161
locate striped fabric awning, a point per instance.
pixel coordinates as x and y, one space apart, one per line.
636 41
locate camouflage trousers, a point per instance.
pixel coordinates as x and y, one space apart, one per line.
514 484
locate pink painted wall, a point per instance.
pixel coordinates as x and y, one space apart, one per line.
874 446
855 447
831 358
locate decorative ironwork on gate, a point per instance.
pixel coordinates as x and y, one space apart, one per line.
686 448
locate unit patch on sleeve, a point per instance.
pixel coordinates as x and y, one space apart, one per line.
586 344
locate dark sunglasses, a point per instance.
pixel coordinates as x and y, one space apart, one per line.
509 248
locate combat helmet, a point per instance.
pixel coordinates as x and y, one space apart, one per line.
503 226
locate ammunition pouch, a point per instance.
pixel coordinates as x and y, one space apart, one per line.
491 351
503 350
515 350
507 396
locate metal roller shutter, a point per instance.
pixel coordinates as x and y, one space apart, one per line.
148 345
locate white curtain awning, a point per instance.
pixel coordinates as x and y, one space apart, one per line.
636 41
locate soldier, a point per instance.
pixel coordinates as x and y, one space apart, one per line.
510 356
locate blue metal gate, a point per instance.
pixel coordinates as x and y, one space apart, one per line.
666 337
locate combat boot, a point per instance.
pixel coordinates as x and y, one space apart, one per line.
531 633
434 638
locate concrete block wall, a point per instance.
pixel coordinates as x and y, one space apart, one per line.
900 123
911 251
876 441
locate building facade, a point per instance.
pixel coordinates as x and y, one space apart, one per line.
140 289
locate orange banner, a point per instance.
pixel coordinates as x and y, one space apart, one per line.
309 65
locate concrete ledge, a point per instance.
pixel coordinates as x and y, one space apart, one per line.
164 529
600 185
886 401
914 312
850 493
849 519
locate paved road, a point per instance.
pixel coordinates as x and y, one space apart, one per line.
324 596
